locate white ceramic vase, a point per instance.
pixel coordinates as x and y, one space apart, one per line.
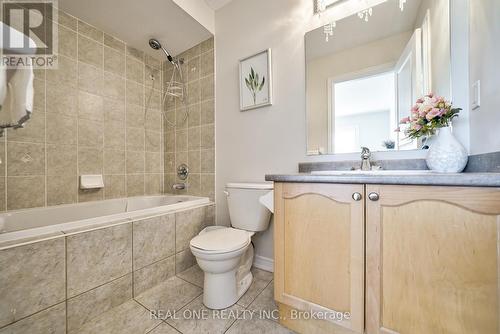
446 154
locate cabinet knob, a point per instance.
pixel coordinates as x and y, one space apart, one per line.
374 197
357 197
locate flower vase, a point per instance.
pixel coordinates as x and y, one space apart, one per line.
446 154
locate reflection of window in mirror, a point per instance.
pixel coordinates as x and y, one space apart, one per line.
363 111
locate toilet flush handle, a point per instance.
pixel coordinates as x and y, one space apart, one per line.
226 193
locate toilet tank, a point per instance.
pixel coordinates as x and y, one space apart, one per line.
245 210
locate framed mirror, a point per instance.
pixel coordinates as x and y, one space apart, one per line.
366 69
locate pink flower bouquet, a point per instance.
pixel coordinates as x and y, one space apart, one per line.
429 113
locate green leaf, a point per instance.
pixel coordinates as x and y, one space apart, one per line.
252 72
262 83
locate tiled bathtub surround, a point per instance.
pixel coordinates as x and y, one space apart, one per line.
88 119
193 142
73 281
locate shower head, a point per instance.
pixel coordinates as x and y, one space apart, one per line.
155 44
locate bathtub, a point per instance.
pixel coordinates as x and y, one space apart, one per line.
29 225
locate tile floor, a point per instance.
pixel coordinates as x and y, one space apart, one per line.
180 301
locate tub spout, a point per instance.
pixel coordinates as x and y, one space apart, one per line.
179 186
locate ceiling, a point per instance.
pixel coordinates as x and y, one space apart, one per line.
387 20
135 22
217 4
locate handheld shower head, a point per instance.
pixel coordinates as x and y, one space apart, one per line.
155 44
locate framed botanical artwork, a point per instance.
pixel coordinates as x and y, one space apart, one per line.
256 81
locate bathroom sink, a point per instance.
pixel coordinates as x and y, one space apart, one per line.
372 172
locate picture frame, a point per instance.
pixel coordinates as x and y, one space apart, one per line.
256 83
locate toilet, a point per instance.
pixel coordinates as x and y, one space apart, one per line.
225 254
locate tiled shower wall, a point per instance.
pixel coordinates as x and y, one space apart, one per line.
89 118
193 142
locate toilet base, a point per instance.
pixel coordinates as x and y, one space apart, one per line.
221 291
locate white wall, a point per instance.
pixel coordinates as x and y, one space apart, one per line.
485 66
271 139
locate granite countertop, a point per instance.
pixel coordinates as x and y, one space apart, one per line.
428 178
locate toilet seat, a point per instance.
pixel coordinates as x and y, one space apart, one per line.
221 240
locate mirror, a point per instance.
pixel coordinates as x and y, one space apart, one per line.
365 71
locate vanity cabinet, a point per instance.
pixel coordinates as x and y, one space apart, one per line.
319 250
400 259
432 260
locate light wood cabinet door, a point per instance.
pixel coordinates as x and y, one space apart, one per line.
432 256
319 250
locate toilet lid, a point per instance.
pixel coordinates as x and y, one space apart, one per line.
221 240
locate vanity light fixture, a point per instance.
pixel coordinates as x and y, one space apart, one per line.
402 4
328 29
365 14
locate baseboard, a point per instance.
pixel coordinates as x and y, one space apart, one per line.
263 263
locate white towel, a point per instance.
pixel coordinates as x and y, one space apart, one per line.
16 97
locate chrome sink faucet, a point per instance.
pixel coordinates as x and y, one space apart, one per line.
365 159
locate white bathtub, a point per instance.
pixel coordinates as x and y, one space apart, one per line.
17 227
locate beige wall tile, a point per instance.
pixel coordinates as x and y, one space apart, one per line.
90 133
90 195
153 119
207 45
90 51
194 138
114 161
184 260
90 107
181 139
90 78
153 141
114 43
207 88
114 86
208 185
207 161
208 112
61 159
170 141
135 162
207 136
194 161
133 52
150 276
25 192
153 184
114 135
155 72
153 162
89 31
67 42
114 61
51 320
135 70
135 185
135 93
3 203
135 139
193 69
115 186
98 257
194 115
25 159
61 129
66 72
193 92
61 98
91 304
33 284
62 189
169 162
154 239
207 64
194 184
135 115
114 109
67 20
90 160
187 225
